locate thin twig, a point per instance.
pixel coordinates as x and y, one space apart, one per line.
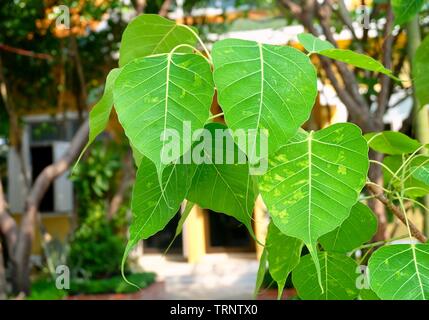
380 196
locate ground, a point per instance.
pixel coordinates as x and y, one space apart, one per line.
217 276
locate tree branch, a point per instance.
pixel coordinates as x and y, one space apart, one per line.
380 196
35 196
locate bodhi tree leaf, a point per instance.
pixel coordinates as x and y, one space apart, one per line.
338 277
263 87
400 272
368 294
156 95
100 112
421 72
283 255
391 142
357 229
358 60
325 48
221 185
313 182
150 34
314 44
261 272
154 205
405 10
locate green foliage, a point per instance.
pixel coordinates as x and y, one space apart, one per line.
421 72
338 277
251 78
357 229
283 255
314 175
390 142
314 179
400 272
313 44
100 113
113 284
229 188
96 248
153 94
325 48
45 289
405 10
151 34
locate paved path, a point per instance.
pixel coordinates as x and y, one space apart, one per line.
217 276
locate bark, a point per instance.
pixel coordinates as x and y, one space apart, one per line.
3 284
126 182
9 235
164 8
38 190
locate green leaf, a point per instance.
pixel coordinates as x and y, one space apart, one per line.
158 93
405 10
261 272
313 44
313 182
391 142
357 229
421 173
150 34
179 228
100 112
283 255
153 204
223 187
421 72
368 294
338 278
358 60
400 272
264 87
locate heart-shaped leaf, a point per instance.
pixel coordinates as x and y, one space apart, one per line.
156 95
223 186
263 87
150 34
283 255
154 205
421 173
400 272
314 181
338 278
357 229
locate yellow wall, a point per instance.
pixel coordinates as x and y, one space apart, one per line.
57 225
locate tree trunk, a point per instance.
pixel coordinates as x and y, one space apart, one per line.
9 235
38 190
3 284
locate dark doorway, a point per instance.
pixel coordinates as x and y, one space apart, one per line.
227 234
41 156
160 241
